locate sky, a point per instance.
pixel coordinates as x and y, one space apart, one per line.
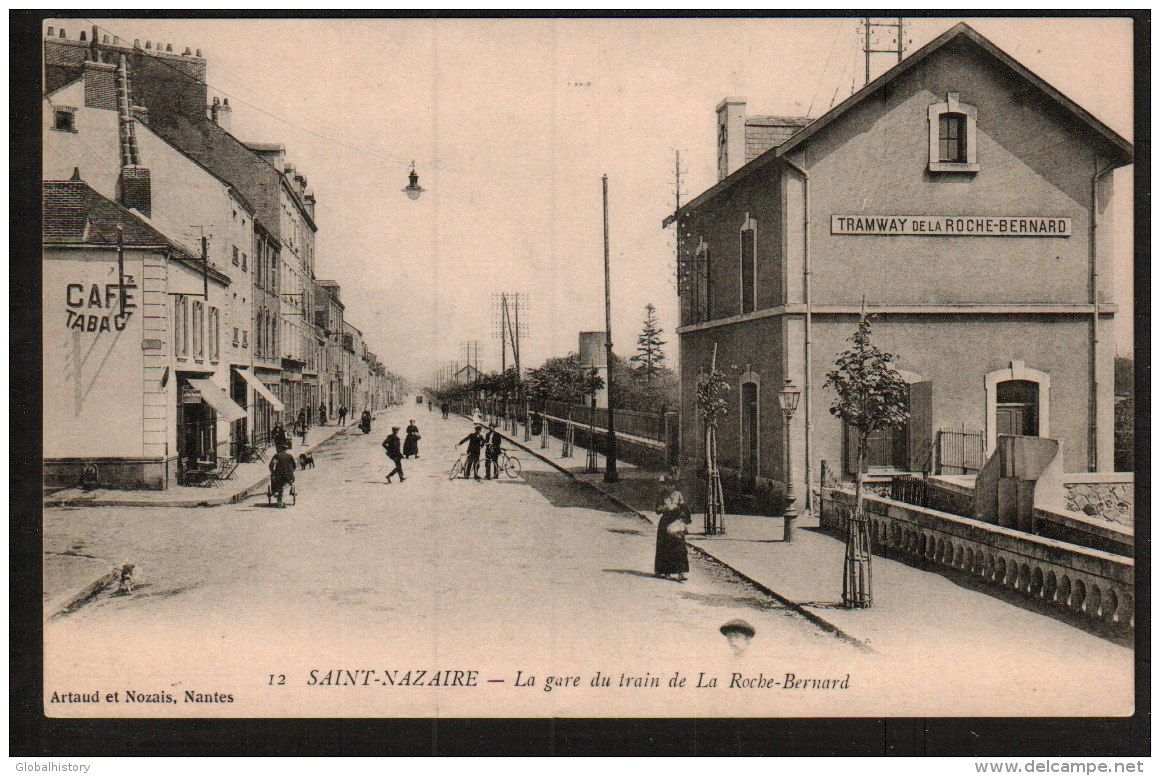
511 124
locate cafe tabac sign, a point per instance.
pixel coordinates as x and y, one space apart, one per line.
952 226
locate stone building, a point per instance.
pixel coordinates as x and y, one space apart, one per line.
966 203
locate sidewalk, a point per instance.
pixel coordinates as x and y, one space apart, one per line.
70 577
248 479
911 606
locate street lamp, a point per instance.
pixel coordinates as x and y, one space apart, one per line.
413 189
787 397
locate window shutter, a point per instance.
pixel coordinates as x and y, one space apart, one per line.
919 428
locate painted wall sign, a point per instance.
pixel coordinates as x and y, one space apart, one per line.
952 226
96 308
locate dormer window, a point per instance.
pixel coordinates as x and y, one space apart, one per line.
952 136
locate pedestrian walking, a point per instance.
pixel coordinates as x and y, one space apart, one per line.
394 451
446 409
474 442
300 425
279 438
322 414
342 415
281 473
411 443
365 422
672 556
492 450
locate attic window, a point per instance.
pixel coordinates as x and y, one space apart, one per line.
952 136
64 119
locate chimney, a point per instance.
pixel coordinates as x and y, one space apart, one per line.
214 109
225 115
309 200
730 136
134 185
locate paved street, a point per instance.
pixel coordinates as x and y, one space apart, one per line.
537 574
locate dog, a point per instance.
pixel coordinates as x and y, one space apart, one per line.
305 461
125 579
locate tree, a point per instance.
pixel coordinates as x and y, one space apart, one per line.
713 406
563 379
871 396
650 356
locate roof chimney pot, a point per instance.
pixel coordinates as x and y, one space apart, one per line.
168 47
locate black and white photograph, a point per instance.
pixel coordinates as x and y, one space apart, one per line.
588 367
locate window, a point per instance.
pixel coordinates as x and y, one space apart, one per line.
243 262
181 326
214 334
235 255
235 336
952 136
748 265
198 330
245 343
1018 402
749 428
64 119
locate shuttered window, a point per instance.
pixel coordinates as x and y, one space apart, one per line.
905 448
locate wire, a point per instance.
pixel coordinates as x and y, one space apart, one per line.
826 66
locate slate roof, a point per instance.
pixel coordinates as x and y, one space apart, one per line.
75 213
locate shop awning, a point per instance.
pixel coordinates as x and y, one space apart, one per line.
261 388
217 398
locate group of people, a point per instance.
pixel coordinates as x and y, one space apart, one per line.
341 414
490 444
397 449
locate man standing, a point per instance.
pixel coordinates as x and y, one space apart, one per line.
474 442
395 452
491 453
322 414
281 473
301 424
446 409
342 415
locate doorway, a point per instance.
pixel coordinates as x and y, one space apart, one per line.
1017 408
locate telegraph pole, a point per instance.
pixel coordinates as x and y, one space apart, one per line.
868 46
610 474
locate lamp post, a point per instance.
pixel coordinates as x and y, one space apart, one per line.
787 397
413 189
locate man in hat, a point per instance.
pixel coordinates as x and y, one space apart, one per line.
738 633
474 442
281 472
395 452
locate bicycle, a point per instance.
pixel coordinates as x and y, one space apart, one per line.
509 465
457 468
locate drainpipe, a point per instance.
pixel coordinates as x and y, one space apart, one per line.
807 392
1093 401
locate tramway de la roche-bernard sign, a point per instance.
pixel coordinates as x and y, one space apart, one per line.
952 226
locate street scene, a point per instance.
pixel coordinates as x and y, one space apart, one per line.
385 379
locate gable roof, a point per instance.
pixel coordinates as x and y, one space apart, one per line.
75 213
1120 148
964 31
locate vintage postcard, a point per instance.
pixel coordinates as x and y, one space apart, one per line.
584 367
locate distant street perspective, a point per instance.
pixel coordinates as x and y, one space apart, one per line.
384 378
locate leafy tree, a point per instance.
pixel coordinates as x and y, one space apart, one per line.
871 393
650 356
563 379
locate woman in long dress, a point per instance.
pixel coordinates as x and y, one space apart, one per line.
411 443
672 558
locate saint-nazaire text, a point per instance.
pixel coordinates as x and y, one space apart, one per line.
396 677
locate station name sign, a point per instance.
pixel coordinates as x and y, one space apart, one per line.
952 226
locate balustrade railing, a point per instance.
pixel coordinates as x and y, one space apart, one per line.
1092 583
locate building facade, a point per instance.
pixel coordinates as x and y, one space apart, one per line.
223 267
961 201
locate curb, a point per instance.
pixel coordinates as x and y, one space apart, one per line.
214 501
70 598
812 617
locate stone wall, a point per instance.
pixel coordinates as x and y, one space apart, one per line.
1113 501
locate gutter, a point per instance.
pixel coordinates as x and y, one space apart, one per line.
1093 402
807 388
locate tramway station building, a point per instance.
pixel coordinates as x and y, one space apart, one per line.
960 200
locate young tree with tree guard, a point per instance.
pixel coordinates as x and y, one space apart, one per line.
871 396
